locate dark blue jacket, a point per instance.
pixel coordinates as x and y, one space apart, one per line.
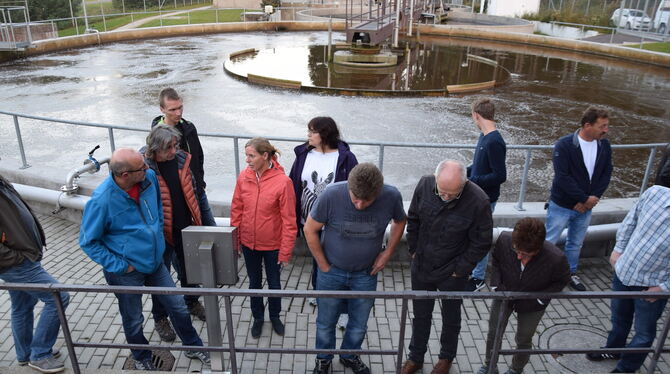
346 161
571 183
488 169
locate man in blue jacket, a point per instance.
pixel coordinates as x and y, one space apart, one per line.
582 171
122 230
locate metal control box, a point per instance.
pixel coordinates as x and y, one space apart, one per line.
224 253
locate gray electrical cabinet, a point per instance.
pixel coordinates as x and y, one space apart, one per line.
224 253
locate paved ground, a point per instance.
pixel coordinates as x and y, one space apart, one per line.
95 318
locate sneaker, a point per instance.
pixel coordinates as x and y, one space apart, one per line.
312 301
165 330
55 353
47 365
576 283
322 366
355 364
200 355
485 370
256 328
278 326
602 356
146 365
197 310
342 321
475 284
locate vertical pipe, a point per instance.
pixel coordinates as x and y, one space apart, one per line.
524 181
236 150
659 345
411 16
111 139
396 28
497 342
647 170
330 38
83 6
20 140
401 338
381 157
231 334
66 332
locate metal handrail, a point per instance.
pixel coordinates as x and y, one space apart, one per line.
381 145
405 296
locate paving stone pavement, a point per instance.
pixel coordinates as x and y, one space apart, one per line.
95 318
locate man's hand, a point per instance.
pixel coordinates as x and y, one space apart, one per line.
591 202
130 269
614 257
381 261
325 267
653 289
580 207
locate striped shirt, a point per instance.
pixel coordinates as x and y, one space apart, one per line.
643 239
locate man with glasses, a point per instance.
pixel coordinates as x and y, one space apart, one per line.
122 230
449 230
522 261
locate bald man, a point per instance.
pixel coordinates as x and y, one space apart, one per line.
122 230
449 230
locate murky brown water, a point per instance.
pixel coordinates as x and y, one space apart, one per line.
119 84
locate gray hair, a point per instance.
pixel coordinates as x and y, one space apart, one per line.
160 139
444 163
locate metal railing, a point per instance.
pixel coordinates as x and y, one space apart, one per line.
404 296
382 146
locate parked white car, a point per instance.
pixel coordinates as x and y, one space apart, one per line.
662 17
631 19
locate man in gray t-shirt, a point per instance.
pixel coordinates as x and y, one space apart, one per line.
354 216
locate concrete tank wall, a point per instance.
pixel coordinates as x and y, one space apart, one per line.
245 4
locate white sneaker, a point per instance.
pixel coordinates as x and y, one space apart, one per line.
312 301
342 321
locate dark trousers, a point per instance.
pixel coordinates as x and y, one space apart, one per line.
174 255
254 260
645 314
524 333
451 318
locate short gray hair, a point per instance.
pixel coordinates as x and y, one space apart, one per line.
461 166
160 139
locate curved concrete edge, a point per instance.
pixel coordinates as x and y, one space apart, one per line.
608 50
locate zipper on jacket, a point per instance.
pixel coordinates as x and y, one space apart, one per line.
258 196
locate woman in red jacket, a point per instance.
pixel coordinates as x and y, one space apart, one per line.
263 210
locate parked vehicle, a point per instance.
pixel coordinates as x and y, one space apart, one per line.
631 19
662 17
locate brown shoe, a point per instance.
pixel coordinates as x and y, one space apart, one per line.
410 367
442 367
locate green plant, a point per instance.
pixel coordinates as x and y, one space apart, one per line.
40 10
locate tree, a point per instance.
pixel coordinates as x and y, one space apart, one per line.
51 9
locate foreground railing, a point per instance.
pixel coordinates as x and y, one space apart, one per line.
404 296
381 146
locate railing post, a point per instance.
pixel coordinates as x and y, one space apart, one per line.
497 342
20 140
231 334
66 332
647 171
236 150
659 345
401 338
524 181
111 138
381 157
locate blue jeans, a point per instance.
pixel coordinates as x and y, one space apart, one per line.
173 256
130 307
205 210
624 312
254 263
329 309
479 271
558 218
31 346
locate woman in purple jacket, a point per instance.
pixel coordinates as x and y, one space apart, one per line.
322 160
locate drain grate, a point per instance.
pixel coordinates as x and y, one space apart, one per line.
163 360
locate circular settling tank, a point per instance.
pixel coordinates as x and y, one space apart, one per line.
119 84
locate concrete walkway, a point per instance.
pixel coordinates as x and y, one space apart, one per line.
95 318
140 22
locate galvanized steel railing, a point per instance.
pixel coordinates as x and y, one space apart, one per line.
379 144
405 296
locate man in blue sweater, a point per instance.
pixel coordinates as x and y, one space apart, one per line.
582 172
488 170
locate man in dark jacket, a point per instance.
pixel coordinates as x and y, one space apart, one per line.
523 262
582 172
172 107
21 244
449 230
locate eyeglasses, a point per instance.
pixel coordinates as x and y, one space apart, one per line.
447 196
143 168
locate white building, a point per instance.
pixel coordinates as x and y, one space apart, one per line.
512 8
